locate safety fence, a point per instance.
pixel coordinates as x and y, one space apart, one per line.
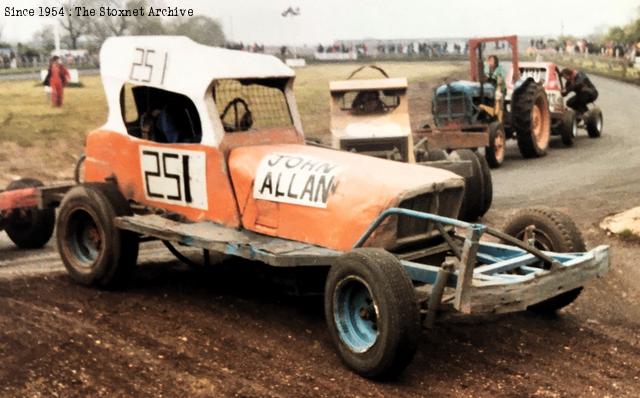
617 68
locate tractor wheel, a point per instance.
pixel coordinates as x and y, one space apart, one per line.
94 251
554 231
531 119
594 122
372 313
29 228
475 187
494 153
569 127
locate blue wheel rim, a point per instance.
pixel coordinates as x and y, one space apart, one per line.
85 240
355 314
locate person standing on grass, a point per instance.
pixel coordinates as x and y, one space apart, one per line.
58 77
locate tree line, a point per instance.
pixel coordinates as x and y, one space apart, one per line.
628 34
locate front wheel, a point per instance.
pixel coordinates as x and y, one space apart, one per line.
372 313
94 251
594 122
553 231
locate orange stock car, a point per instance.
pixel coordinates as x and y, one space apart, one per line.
204 147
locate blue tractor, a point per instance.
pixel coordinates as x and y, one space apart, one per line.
478 106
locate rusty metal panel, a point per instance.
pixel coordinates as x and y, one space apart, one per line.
19 198
40 197
437 139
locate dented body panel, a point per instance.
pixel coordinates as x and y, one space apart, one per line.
117 157
343 192
328 199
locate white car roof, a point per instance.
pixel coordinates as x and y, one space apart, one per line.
180 65
177 63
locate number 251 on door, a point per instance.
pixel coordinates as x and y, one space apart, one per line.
174 176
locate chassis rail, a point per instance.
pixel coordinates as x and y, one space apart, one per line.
480 276
40 197
492 277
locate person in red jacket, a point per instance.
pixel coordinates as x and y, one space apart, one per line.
58 77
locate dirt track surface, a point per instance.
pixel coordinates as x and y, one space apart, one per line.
226 332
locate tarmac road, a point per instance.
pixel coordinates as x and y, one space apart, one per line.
593 168
225 332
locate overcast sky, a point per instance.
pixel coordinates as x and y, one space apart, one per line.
327 20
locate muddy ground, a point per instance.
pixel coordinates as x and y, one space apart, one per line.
229 331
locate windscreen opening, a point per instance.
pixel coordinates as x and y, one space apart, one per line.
252 104
369 102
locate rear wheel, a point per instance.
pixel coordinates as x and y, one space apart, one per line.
554 231
594 122
372 313
569 127
494 153
94 251
531 119
29 228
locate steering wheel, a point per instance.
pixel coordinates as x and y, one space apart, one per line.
242 123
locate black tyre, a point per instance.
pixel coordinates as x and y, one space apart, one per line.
494 153
92 249
487 182
554 231
372 313
437 155
569 127
531 119
29 228
595 122
474 200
